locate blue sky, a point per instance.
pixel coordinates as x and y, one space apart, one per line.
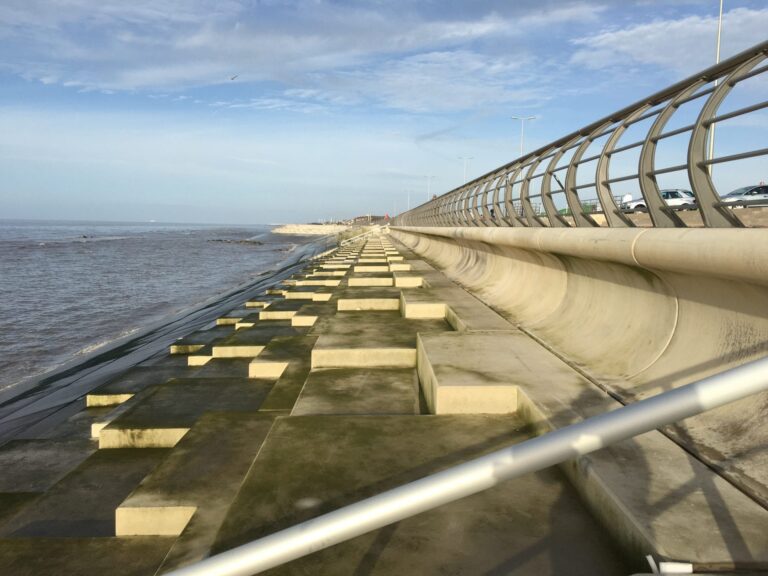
128 110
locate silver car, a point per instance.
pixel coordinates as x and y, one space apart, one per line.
748 193
671 196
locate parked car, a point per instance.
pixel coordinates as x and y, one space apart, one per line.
671 196
748 193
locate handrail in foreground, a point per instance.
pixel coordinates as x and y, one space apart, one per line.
485 472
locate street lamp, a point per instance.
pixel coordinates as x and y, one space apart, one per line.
522 129
429 185
466 159
717 82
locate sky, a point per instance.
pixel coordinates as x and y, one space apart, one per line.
267 111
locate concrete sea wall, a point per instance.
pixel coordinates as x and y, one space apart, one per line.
638 311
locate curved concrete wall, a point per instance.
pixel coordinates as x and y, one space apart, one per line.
639 310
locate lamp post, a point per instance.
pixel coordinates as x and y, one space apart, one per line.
522 130
466 159
717 81
429 185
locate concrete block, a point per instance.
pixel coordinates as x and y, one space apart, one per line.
37 465
168 411
359 391
309 465
370 281
268 370
82 504
237 351
475 373
399 267
407 280
371 268
140 437
421 304
345 304
348 352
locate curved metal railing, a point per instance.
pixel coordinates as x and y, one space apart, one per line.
529 191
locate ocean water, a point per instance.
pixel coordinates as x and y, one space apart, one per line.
68 289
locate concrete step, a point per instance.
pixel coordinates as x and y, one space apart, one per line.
310 465
82 556
134 380
281 310
82 503
649 493
359 391
196 340
200 476
357 299
233 316
163 418
34 466
371 279
288 360
249 342
369 339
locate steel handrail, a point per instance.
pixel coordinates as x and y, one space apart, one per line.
712 85
485 472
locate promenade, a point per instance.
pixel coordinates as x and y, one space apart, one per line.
367 370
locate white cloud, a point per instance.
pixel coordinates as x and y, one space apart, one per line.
329 54
682 45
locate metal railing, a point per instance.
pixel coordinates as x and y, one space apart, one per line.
506 196
485 472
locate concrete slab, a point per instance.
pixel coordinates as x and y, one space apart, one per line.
345 352
375 327
281 310
292 357
359 391
422 303
123 387
82 556
327 274
408 279
200 476
309 282
350 299
375 279
196 340
249 342
36 465
399 267
478 373
371 268
70 423
82 504
167 414
463 310
10 505
310 465
366 339
223 368
651 494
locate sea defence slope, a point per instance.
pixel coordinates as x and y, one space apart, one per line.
366 370
310 229
637 311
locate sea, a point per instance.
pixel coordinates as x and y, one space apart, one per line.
69 289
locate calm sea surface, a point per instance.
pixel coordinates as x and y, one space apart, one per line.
70 288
